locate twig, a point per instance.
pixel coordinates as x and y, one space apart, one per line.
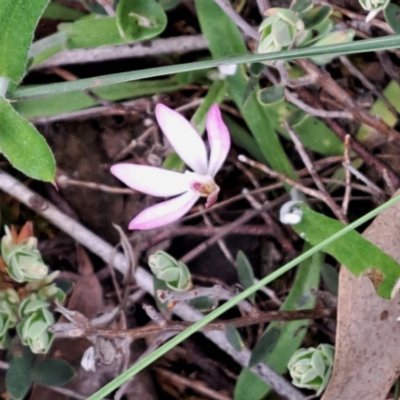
247 29
356 146
347 192
71 330
195 385
337 92
220 242
307 162
282 177
263 6
180 44
292 98
247 216
104 250
64 181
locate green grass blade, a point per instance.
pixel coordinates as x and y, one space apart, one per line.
129 373
361 46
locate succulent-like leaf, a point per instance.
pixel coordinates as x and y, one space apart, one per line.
52 372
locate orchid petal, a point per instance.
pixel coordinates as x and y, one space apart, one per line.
219 139
164 213
183 138
151 180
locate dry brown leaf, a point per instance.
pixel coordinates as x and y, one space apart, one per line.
367 357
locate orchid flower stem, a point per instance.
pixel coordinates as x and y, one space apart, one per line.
128 374
4 82
362 46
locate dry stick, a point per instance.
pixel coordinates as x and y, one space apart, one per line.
196 385
247 29
282 177
388 66
367 84
356 146
71 330
337 92
347 192
181 44
309 165
105 251
220 242
292 98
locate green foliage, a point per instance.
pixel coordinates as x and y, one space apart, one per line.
330 277
168 4
140 19
311 368
271 95
17 16
392 16
234 338
174 273
60 12
359 255
249 385
245 272
24 146
18 375
264 346
52 372
9 301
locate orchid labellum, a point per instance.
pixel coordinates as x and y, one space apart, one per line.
189 185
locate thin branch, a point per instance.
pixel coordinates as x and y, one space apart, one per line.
180 44
347 192
307 162
292 98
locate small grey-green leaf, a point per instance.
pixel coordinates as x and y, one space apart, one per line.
330 277
203 303
140 19
234 338
264 346
300 6
245 272
52 372
94 7
256 69
392 17
18 376
281 33
24 146
168 4
271 95
18 19
318 364
315 16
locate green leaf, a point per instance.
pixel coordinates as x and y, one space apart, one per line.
74 101
92 31
24 146
315 16
250 386
64 284
234 338
18 19
18 375
359 255
53 372
392 17
60 12
140 19
203 303
243 139
330 277
264 346
271 95
245 272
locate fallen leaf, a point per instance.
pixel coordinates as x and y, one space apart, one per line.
367 358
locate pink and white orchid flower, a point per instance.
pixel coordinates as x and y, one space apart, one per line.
189 185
